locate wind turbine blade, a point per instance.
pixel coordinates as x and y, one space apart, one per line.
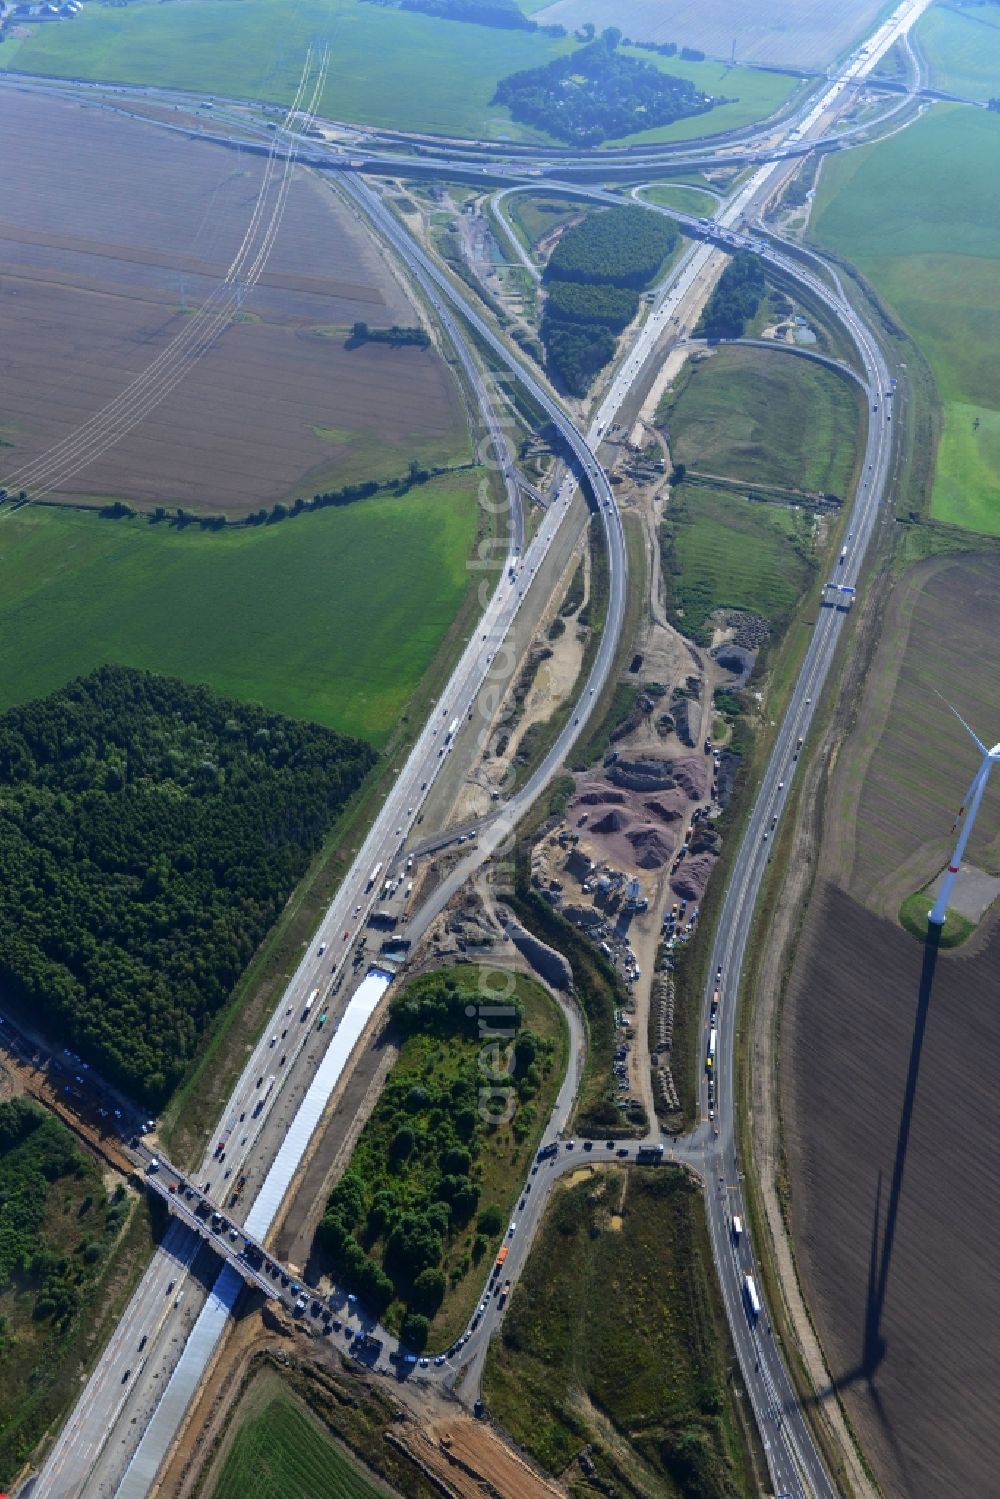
979 743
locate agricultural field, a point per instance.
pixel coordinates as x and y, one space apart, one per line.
614 1337
961 46
880 1043
281 1451
920 216
763 418
721 550
112 234
286 615
809 35
894 1231
909 762
388 68
415 1221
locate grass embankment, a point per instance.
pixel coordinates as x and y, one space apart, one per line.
435 1175
764 419
919 215
282 1451
615 1338
333 617
961 48
65 1269
538 216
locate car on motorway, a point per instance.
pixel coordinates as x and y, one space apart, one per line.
126 1375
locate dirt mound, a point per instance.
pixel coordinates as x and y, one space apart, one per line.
692 776
593 796
642 775
611 822
669 807
652 847
691 879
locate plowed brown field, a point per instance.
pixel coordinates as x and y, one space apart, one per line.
889 1053
111 233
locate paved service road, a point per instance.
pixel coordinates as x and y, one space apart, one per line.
104 1414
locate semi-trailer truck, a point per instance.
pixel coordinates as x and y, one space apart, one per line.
752 1299
452 730
710 1058
309 1003
649 1155
373 877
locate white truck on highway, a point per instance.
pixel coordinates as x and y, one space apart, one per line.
752 1299
373 877
452 730
309 1004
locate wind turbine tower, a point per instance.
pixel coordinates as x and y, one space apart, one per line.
968 809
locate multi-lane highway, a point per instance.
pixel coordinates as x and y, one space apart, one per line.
795 1465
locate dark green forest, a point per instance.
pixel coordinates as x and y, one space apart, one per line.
617 247
414 1182
598 93
150 833
593 280
736 298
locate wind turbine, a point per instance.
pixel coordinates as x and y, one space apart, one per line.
973 797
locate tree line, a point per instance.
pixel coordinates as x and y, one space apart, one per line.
150 833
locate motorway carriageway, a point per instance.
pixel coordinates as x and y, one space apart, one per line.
381 838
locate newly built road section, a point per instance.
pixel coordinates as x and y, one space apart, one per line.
795 1465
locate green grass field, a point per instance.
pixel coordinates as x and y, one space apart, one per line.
720 550
333 616
919 215
754 95
962 49
764 418
396 69
685 199
280 1453
390 68
614 1337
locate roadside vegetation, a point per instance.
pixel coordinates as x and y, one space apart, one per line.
919 215
433 1181
152 833
58 1227
614 1341
286 615
593 279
